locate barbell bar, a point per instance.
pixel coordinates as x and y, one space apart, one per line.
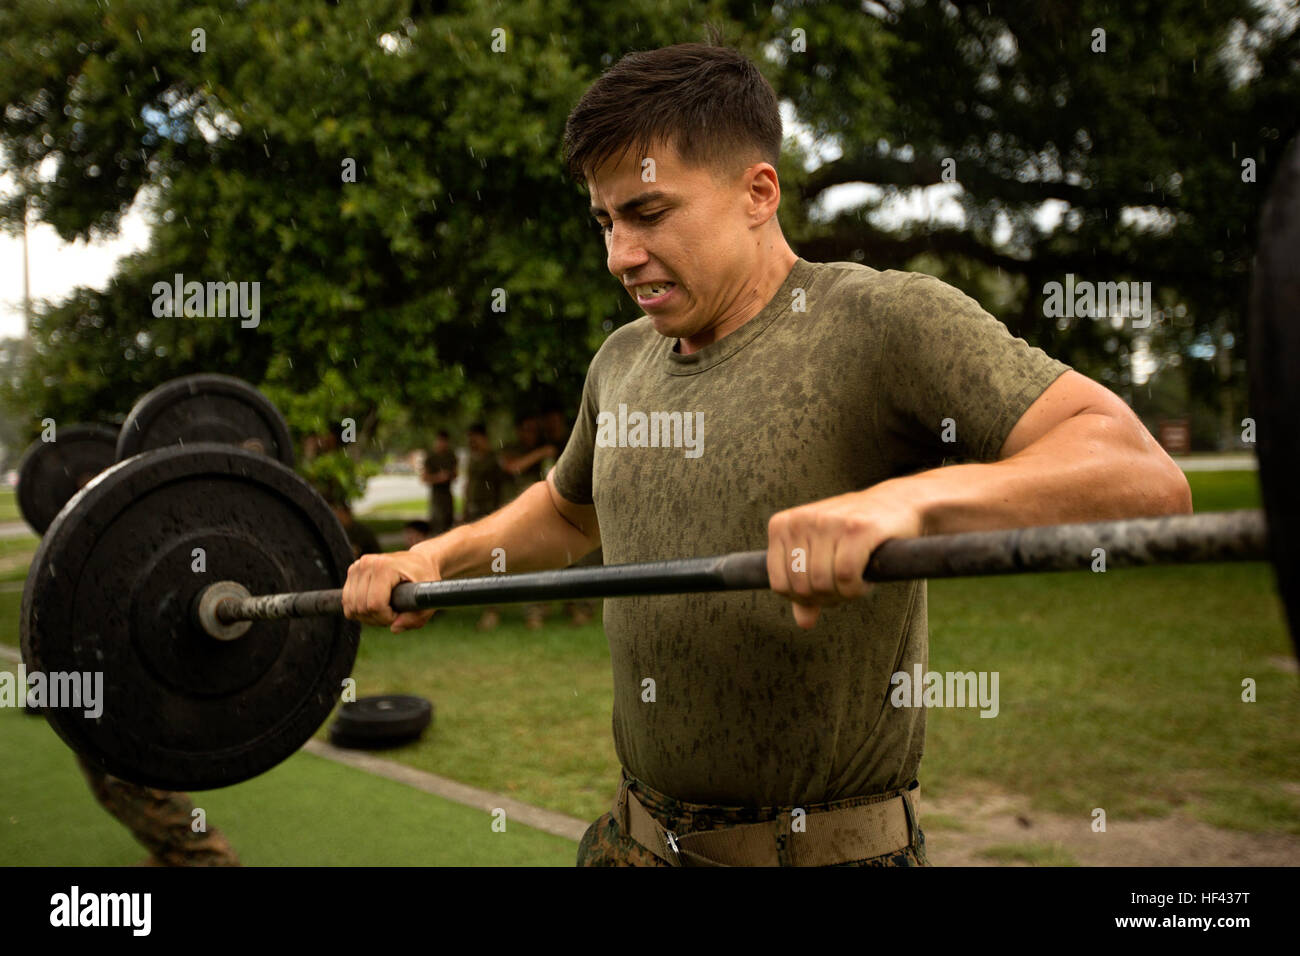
1177 539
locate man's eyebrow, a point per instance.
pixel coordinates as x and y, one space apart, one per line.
634 203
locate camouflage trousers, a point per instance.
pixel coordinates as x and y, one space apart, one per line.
161 821
441 514
605 843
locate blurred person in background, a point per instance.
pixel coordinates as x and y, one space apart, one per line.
440 469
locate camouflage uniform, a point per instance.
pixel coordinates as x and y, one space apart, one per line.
162 821
482 486
441 508
605 844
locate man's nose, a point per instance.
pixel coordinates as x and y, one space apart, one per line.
626 252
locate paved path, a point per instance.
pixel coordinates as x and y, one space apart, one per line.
1234 461
384 489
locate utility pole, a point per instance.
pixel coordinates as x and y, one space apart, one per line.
27 280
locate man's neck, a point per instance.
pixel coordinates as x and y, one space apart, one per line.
771 279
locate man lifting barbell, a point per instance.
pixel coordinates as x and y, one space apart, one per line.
828 395
734 742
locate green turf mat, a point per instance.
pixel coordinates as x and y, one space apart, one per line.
306 812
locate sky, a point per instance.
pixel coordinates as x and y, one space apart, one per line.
58 267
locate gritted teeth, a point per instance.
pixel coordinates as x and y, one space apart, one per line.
653 289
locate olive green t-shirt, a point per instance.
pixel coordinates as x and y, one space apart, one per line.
847 377
483 481
516 485
435 460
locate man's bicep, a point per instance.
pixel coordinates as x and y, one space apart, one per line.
1071 394
582 517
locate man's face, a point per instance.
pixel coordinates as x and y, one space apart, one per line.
440 444
687 227
478 443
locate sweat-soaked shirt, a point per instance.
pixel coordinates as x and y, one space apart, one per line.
846 378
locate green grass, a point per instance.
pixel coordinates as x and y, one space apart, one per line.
1118 690
23 544
1123 690
412 508
942 821
16 555
416 508
519 712
306 812
1224 490
1034 854
9 505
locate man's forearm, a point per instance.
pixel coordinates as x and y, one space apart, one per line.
531 532
1088 468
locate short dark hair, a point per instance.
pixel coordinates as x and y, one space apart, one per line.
709 102
444 434
421 526
478 428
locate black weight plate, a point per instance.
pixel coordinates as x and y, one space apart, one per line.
1275 375
112 588
384 717
205 407
50 473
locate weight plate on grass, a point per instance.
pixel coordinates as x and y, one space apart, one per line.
206 407
1275 375
381 721
52 472
112 589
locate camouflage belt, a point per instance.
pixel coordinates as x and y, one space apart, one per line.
827 837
